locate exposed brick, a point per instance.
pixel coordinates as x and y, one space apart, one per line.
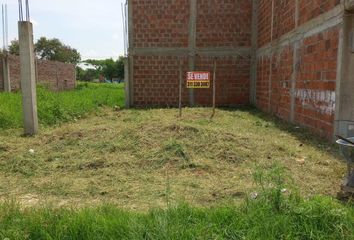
160 23
310 9
227 23
315 74
232 81
156 80
224 23
56 76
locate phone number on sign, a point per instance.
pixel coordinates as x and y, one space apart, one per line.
198 84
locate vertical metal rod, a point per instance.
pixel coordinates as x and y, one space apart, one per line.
6 28
126 24
214 88
124 29
20 10
180 88
27 11
123 25
3 26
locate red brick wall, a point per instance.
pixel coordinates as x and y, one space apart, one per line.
314 72
57 76
282 69
262 83
284 19
224 23
232 81
264 22
165 24
316 82
227 24
160 23
156 80
310 9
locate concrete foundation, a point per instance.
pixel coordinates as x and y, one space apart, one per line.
28 79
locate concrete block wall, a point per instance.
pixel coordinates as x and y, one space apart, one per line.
57 76
297 62
164 33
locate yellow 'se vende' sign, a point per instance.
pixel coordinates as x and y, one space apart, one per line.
198 79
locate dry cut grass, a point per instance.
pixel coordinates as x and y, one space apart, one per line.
138 159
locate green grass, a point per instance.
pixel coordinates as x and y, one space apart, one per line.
58 107
127 157
123 174
263 218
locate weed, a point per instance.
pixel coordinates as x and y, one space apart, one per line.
316 218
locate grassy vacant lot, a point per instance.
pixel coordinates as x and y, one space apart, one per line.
54 108
83 179
141 159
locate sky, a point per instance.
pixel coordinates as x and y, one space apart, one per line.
93 27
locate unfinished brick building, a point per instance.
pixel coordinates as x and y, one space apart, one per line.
291 58
56 76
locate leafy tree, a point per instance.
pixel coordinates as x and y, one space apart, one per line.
86 75
54 49
120 67
50 49
109 68
14 47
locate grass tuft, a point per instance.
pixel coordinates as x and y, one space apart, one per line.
315 218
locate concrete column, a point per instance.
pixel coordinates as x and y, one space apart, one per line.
253 90
340 124
192 39
296 47
293 80
6 73
129 68
126 83
344 102
28 79
271 61
297 13
344 112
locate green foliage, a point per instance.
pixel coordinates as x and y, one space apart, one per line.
317 218
54 49
14 47
57 107
50 49
86 75
109 68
